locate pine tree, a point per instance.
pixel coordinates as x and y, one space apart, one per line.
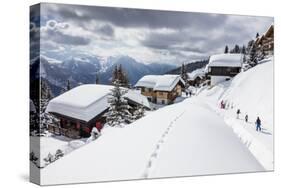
226 49
252 53
118 113
97 79
257 35
236 49
184 75
68 86
139 112
45 118
114 74
243 50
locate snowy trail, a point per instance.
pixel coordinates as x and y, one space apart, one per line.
154 155
172 141
193 148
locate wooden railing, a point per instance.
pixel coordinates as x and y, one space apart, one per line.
71 133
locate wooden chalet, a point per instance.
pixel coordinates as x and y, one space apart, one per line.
82 108
161 89
222 67
265 43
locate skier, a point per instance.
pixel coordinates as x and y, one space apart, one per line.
238 112
246 118
258 124
222 105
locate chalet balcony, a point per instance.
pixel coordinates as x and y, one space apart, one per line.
71 133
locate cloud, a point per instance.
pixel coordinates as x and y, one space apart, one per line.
59 32
147 35
134 18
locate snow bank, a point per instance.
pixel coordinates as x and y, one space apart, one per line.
252 93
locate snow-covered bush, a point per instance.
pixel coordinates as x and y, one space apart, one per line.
59 153
49 159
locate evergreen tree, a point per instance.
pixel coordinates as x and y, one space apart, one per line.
97 79
120 75
118 113
68 86
114 74
226 49
236 49
184 74
252 53
139 112
243 50
257 35
45 118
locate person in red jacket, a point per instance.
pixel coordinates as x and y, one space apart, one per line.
98 125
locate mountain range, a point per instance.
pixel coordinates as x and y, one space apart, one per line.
84 69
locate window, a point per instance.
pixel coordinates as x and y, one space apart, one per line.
163 101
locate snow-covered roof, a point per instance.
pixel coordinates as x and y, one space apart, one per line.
165 82
196 73
137 97
83 102
87 101
226 60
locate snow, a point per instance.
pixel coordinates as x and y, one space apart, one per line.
252 93
192 137
159 82
196 73
86 101
226 60
83 102
137 97
133 152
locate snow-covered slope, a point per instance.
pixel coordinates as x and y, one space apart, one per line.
175 133
193 137
252 93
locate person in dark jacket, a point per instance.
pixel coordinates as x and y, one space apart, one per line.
258 124
246 118
237 113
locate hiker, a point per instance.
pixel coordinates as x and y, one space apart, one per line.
222 104
246 118
258 124
238 112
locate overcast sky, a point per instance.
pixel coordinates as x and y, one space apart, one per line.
146 35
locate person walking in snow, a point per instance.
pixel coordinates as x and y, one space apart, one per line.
258 124
246 118
222 105
237 113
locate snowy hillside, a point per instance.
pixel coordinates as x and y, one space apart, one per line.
192 137
252 93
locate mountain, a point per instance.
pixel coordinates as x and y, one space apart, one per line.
83 70
190 66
